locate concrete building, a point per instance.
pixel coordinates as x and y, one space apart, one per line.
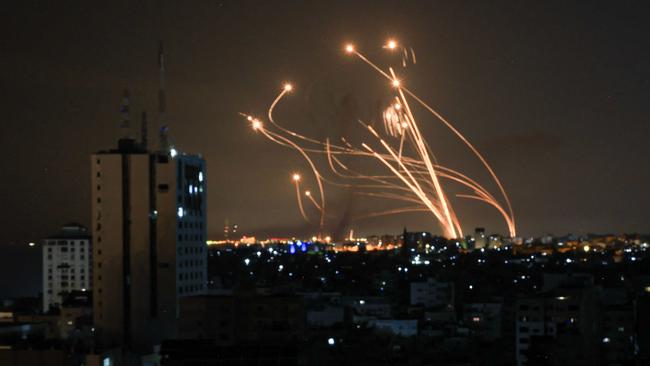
325 315
67 264
432 293
480 239
243 318
400 327
483 319
149 224
561 325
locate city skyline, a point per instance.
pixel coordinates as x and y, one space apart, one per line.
323 183
545 95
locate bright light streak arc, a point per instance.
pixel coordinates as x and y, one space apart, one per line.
413 173
296 181
455 131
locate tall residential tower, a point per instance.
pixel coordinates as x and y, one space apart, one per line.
149 225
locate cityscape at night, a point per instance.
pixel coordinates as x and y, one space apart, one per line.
325 183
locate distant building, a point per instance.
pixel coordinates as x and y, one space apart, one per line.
432 293
483 319
415 242
243 318
480 238
560 325
400 327
67 264
149 223
325 315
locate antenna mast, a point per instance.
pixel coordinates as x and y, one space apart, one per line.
162 103
144 131
125 126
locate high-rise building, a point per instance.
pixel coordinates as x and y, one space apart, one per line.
149 225
67 259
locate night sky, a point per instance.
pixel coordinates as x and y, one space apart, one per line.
555 94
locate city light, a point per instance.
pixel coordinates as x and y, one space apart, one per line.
391 45
349 48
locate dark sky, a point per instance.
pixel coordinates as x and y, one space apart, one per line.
555 94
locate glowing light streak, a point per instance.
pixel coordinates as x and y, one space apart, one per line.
414 179
296 181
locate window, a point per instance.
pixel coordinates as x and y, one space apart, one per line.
98 174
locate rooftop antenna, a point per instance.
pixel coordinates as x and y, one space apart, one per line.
125 126
143 131
164 140
162 103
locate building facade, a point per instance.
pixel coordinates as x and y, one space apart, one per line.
432 293
67 264
149 221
